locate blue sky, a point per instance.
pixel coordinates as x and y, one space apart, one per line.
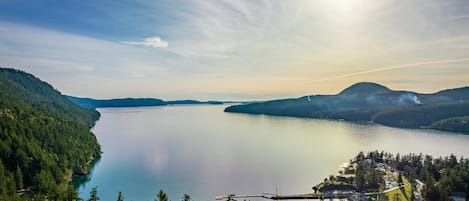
240 50
108 20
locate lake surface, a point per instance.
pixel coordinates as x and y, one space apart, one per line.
202 151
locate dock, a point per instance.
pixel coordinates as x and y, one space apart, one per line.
308 196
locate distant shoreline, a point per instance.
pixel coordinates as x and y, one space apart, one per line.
138 102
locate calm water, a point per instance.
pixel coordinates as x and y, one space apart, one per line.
205 152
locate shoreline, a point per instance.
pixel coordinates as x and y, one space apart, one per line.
354 122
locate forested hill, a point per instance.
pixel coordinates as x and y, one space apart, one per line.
444 110
123 102
45 139
134 102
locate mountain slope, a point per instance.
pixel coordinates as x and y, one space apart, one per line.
365 88
373 102
44 139
421 115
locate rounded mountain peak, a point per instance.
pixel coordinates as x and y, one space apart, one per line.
364 88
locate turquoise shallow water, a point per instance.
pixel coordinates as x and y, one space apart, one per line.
205 152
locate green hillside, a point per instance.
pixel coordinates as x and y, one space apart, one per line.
458 124
418 116
372 102
44 139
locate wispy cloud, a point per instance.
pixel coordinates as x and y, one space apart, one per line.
222 46
461 17
393 67
155 42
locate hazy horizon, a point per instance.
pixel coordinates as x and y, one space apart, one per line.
236 50
240 100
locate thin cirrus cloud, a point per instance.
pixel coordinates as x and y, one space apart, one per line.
223 47
394 67
155 42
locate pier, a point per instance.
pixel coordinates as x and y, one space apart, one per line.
309 196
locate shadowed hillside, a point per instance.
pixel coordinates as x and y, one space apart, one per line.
376 103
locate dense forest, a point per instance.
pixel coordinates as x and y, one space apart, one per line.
428 115
45 139
441 176
370 102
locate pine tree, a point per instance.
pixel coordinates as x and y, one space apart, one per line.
120 197
186 197
19 178
94 194
399 178
161 196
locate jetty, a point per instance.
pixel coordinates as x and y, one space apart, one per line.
351 195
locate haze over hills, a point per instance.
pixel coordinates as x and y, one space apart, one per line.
133 102
371 102
365 101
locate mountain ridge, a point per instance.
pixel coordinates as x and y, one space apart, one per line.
371 102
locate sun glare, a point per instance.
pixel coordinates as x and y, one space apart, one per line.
339 10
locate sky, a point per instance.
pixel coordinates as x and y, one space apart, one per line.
236 50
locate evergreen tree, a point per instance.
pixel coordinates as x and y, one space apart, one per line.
70 194
186 197
161 196
94 194
19 178
43 135
120 197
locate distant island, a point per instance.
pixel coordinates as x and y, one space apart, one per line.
134 102
370 102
